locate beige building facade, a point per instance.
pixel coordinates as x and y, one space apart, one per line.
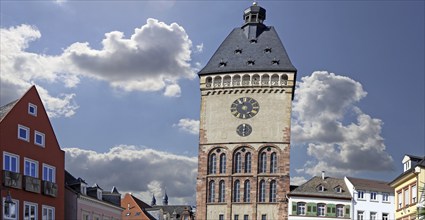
247 89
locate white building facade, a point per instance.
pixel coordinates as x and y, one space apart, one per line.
371 199
322 198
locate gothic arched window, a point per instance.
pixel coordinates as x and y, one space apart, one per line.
273 191
273 163
238 162
211 191
223 163
247 191
262 163
236 191
221 191
248 162
212 164
262 191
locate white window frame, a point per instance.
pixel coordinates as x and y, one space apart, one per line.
33 106
360 195
399 199
43 138
27 132
385 216
47 208
385 197
301 208
53 172
406 196
16 203
321 209
360 215
339 211
414 191
11 155
30 204
373 216
30 161
373 196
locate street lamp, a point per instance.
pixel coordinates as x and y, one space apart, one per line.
8 202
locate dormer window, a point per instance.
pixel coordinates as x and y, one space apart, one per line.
268 50
275 62
253 41
407 165
222 63
83 189
251 62
99 194
321 188
338 189
238 51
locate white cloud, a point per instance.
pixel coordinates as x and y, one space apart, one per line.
144 170
20 70
339 143
298 180
190 126
154 58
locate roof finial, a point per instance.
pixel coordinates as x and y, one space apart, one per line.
254 3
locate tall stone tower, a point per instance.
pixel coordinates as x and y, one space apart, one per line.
247 89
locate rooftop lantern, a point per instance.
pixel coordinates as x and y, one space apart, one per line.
254 14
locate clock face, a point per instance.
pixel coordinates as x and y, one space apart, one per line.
244 107
244 130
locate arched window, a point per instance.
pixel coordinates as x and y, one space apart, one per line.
211 191
245 80
209 81
273 163
222 192
248 162
273 191
236 191
223 163
256 79
247 191
275 80
238 162
301 210
262 162
212 164
217 81
284 80
262 191
265 79
226 80
236 80
339 210
321 209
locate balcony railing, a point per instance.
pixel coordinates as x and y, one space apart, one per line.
12 179
50 188
32 184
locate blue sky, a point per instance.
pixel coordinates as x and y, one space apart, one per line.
119 81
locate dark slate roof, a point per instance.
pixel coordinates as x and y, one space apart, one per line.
329 183
238 62
6 108
178 209
372 185
142 205
417 162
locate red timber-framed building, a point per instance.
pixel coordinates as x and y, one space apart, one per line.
32 161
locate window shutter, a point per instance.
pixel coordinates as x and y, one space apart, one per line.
294 208
310 211
331 210
314 211
347 211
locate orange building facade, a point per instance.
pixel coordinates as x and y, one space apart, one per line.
32 161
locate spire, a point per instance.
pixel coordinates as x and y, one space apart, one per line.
165 198
153 202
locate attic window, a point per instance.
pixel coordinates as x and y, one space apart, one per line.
268 50
238 51
275 62
338 189
251 62
222 63
321 188
253 41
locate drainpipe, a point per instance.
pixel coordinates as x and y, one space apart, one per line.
352 203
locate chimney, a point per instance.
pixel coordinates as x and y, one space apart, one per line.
323 175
